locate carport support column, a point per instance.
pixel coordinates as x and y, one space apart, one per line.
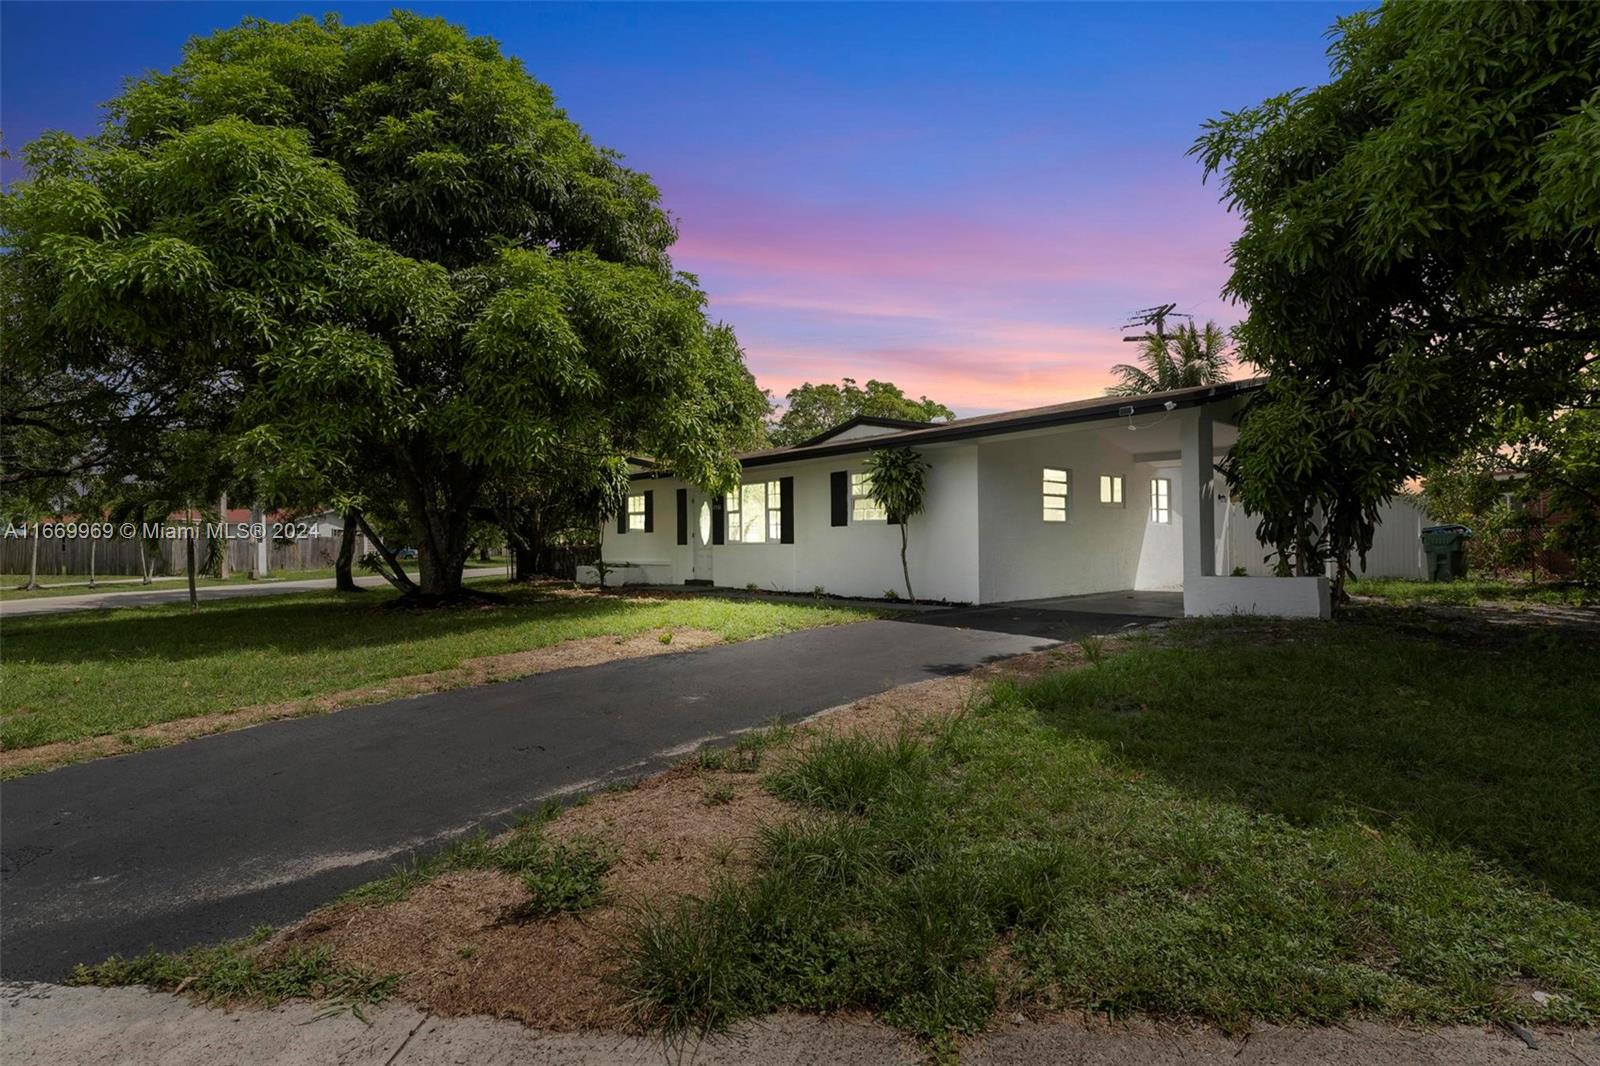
1199 512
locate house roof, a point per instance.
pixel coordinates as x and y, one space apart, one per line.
1091 409
1060 414
863 420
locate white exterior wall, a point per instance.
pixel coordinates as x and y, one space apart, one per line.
983 538
857 559
1099 548
1396 544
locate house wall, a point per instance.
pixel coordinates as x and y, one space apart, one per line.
1097 549
1396 544
983 538
857 559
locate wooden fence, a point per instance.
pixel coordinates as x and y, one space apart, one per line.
120 556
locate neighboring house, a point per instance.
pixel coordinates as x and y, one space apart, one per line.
1096 495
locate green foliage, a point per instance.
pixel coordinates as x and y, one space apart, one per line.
377 260
899 485
1193 356
1420 253
812 409
1550 469
1158 834
563 879
239 972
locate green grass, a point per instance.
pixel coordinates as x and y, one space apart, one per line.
236 973
1285 823
84 674
76 584
1469 592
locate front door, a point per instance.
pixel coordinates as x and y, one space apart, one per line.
700 536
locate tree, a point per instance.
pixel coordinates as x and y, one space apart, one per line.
812 409
1420 253
1193 356
1550 468
899 480
376 251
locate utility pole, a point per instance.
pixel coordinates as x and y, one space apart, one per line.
1153 316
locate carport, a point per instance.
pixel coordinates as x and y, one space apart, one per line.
1064 618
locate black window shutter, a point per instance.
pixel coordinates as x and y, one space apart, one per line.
719 520
839 484
786 518
622 517
649 511
683 516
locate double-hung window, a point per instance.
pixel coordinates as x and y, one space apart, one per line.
636 512
1160 500
863 508
754 513
1111 490
1057 486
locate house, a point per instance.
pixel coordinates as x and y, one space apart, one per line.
1096 495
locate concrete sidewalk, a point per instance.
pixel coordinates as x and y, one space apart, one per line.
47 1025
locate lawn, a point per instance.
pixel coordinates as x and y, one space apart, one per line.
1469 592
79 675
77 584
1383 818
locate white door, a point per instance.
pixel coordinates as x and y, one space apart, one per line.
700 535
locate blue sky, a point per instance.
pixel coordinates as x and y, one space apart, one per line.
964 199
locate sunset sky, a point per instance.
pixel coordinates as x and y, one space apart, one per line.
965 200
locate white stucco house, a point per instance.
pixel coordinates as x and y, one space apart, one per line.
1091 496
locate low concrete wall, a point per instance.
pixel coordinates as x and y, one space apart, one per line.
1281 597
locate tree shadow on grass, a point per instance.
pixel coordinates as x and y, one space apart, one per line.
290 625
1489 741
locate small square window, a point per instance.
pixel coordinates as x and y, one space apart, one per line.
1160 500
1111 490
1056 489
635 513
863 508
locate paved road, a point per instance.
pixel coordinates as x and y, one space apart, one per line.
205 840
94 601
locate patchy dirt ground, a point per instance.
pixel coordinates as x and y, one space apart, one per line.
590 651
673 834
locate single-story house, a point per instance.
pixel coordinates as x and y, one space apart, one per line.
1096 495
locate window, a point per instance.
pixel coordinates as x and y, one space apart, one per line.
1160 500
863 508
635 512
754 514
1055 494
1111 489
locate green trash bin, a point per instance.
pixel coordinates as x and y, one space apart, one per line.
1445 548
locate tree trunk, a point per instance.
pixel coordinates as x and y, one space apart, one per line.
905 568
33 563
344 579
194 597
144 569
440 503
224 570
396 574
93 541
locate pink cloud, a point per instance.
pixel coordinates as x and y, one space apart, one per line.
1005 307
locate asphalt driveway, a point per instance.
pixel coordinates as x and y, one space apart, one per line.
206 840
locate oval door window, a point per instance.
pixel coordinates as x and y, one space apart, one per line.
705 522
